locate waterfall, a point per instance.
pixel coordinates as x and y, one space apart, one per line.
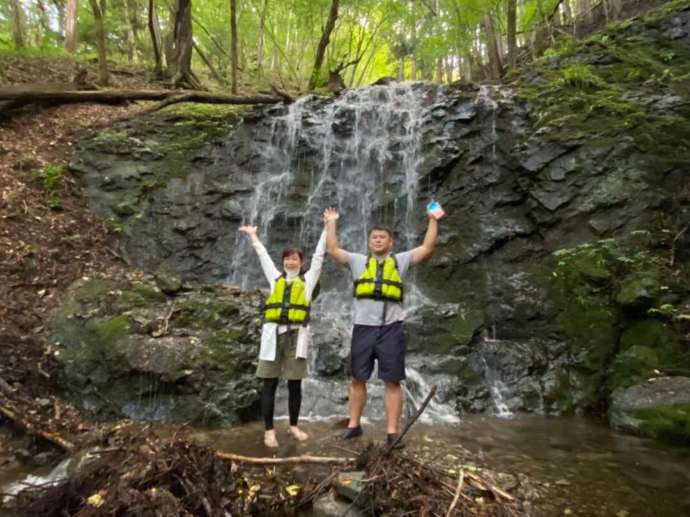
361 153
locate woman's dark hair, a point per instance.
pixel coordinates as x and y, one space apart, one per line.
292 251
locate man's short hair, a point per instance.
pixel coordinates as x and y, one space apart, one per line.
381 229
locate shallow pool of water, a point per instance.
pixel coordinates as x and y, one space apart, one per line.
575 466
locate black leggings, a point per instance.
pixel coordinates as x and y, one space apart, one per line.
268 399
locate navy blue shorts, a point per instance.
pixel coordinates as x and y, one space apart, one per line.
384 343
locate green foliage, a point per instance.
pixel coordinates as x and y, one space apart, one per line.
580 76
113 225
50 178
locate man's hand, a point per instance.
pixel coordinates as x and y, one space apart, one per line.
330 216
249 230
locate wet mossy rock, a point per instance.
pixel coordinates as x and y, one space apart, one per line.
155 168
606 293
659 408
125 348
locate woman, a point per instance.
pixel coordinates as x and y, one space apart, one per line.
285 333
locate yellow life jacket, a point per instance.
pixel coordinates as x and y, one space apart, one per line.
288 303
380 281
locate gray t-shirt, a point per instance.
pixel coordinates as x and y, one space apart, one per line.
371 312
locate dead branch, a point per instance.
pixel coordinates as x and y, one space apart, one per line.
673 244
323 460
412 420
6 388
458 491
392 445
31 429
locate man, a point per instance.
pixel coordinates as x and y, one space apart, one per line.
378 332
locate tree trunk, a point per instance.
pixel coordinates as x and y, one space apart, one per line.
60 6
260 50
71 20
401 69
18 22
98 14
233 46
413 32
183 46
155 40
495 66
132 10
210 66
44 22
448 62
323 43
569 20
511 9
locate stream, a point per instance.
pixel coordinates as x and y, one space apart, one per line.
574 466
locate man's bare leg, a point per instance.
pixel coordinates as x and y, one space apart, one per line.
393 398
358 400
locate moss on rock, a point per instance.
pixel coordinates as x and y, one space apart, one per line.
605 86
669 423
127 349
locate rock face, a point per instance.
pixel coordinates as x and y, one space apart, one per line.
658 408
561 272
126 348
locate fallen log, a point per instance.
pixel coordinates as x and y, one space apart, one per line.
324 460
31 429
27 94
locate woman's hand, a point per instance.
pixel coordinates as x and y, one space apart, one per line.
330 214
249 230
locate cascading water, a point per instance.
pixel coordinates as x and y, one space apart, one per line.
361 154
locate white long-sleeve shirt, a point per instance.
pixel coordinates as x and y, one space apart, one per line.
270 330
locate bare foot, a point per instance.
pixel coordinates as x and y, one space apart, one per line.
270 440
298 433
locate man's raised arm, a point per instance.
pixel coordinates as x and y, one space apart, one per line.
427 248
330 216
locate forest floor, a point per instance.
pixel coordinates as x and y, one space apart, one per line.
48 236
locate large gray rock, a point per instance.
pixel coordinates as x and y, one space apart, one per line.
126 349
640 409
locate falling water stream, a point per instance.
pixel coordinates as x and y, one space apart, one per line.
360 153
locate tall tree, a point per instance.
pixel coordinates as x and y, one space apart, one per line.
183 42
323 43
43 21
18 24
98 14
511 22
495 65
262 32
60 6
154 31
71 20
233 46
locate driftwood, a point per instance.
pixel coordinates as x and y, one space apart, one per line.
395 442
323 460
27 94
31 429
